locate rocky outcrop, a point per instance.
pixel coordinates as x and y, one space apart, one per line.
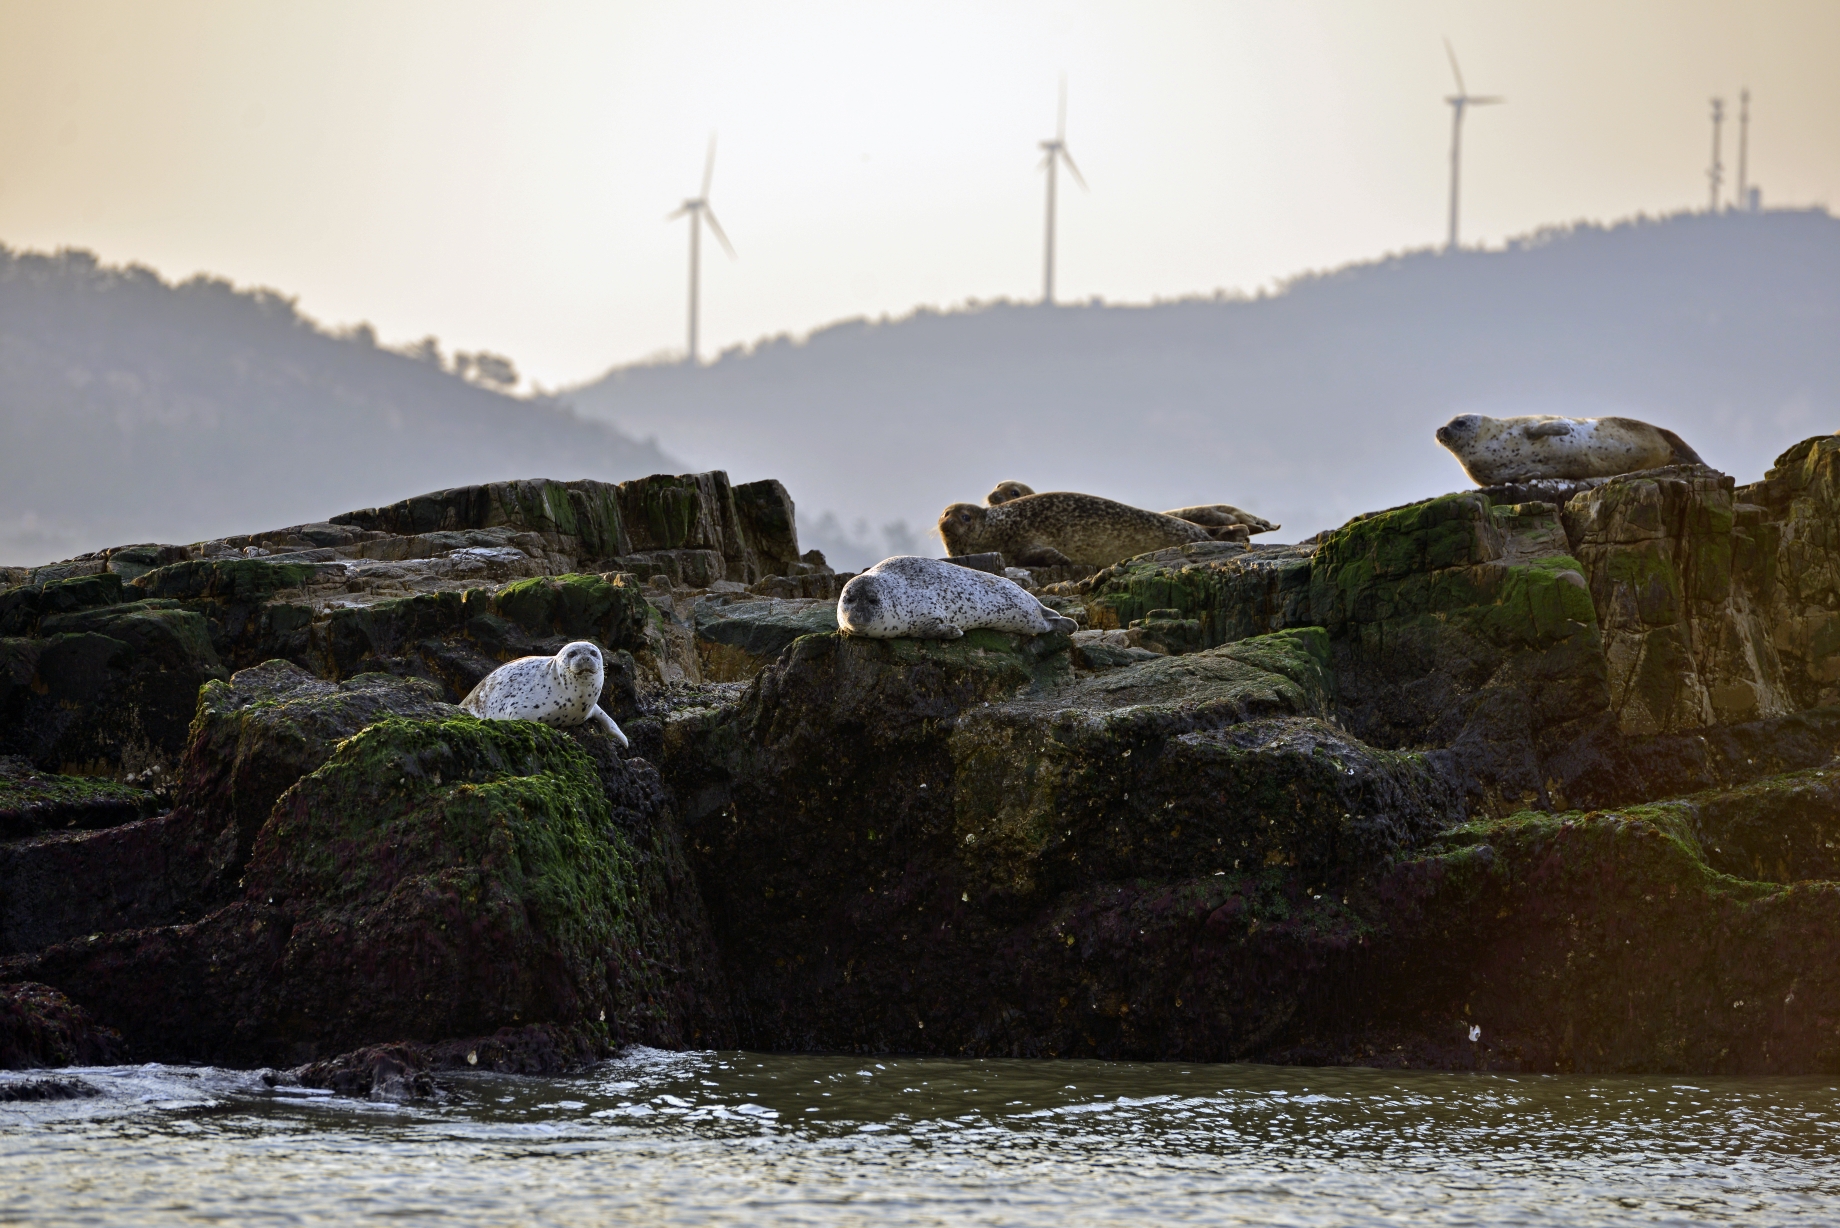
41 1027
431 879
1496 779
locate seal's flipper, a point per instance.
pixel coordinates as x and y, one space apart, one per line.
606 722
1038 555
1057 622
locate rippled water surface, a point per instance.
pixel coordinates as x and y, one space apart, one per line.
744 1138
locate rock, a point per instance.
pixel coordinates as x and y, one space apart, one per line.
1687 642
1595 943
105 690
41 1027
46 1089
32 802
264 729
252 738
737 639
431 879
893 833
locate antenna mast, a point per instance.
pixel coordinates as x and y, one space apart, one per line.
1744 148
1715 174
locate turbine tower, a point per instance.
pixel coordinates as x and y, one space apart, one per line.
1715 174
1055 152
697 207
1459 102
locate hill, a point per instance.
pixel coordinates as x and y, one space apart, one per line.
132 409
1307 405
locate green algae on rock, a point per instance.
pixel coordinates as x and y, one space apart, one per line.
432 879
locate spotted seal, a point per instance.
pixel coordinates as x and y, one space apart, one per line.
931 599
1207 515
1062 527
562 690
1497 451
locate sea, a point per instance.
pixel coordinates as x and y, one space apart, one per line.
764 1139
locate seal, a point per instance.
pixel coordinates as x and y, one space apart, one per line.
1223 516
1499 451
563 690
1207 515
1062 527
931 599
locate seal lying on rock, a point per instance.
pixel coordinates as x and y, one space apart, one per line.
1207 515
1062 527
1496 451
562 690
930 599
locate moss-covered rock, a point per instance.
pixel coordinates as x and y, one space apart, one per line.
891 833
1686 644
432 879
735 640
32 801
1595 942
107 690
256 734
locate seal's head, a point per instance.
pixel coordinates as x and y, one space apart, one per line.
862 609
960 527
1460 431
1005 491
580 662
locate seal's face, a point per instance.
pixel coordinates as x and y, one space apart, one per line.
1006 491
959 526
861 608
580 660
1460 431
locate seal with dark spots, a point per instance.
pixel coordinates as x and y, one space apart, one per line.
1207 515
931 599
563 690
1498 451
1062 527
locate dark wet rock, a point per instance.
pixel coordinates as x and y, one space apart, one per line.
1590 942
404 1070
895 834
71 885
432 879
41 1027
736 639
46 1089
265 728
33 802
105 690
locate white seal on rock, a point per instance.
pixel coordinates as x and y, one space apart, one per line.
563 690
1498 451
931 599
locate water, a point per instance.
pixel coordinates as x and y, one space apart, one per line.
744 1138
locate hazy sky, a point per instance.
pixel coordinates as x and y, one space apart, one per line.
497 174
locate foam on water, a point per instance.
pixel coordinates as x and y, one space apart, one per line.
743 1138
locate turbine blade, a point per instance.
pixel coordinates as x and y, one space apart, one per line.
1077 177
709 215
1458 72
709 166
1060 124
676 213
1487 101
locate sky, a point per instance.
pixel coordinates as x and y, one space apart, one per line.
498 175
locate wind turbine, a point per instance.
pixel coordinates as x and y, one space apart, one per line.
1459 102
1055 152
697 207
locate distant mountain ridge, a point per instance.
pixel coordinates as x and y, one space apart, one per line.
1306 406
132 409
